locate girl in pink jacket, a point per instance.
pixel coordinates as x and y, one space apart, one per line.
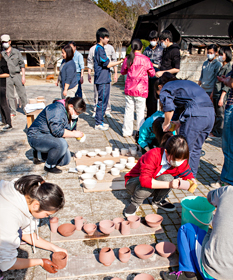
137 67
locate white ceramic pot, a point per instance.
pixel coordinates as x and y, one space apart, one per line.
97 163
116 150
89 183
133 153
108 150
91 169
119 166
84 152
123 161
124 151
97 151
115 171
102 153
78 154
115 154
91 154
100 175
81 168
130 165
109 163
102 167
131 160
86 176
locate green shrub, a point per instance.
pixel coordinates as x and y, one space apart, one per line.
145 44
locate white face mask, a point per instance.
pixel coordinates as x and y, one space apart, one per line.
210 56
163 45
220 58
176 163
153 43
74 117
6 45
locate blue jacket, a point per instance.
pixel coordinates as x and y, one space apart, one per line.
146 134
155 55
78 60
102 72
52 120
68 75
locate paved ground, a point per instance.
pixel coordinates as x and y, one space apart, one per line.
16 160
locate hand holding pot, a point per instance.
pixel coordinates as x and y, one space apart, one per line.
59 249
49 266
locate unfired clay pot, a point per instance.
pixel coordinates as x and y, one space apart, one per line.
124 254
66 229
117 222
144 251
153 220
144 276
134 221
125 228
60 259
106 256
165 249
79 222
106 226
90 229
184 185
53 224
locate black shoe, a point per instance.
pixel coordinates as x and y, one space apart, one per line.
35 159
54 170
165 205
7 127
131 210
175 275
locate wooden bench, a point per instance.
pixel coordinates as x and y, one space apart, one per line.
32 116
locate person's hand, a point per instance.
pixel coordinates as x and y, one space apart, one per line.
23 80
174 184
211 96
158 74
147 148
49 266
165 127
177 124
220 102
81 80
65 92
115 77
78 134
59 249
89 78
221 79
194 181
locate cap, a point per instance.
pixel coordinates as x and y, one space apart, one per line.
5 38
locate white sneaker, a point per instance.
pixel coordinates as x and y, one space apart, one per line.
93 116
102 126
108 115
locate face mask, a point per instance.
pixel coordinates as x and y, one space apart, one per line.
176 163
153 43
210 56
220 58
163 45
6 45
74 117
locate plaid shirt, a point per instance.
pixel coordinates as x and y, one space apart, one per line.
230 96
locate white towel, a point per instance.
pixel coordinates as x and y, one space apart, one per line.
33 107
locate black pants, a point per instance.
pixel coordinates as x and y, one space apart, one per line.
151 101
4 108
219 116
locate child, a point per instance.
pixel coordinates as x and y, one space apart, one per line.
154 174
210 253
102 77
21 204
137 67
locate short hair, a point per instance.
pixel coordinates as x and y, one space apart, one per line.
72 43
101 33
230 30
177 147
212 46
153 35
166 34
69 52
227 51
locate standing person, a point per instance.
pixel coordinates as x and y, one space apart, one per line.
69 80
220 92
137 67
155 52
111 55
79 62
209 70
5 111
102 80
15 64
171 54
197 112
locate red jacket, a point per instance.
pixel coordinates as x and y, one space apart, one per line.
136 83
149 166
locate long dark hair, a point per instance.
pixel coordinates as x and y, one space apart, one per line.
165 78
50 196
69 52
78 103
135 46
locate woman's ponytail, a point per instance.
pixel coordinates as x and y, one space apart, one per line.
135 46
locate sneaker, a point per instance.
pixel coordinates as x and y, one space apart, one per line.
102 126
219 184
175 275
7 128
165 205
93 116
108 115
2 124
54 170
131 210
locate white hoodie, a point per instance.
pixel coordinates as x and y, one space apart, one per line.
14 214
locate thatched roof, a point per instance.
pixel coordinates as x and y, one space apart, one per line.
59 20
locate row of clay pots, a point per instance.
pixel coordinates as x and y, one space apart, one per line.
142 276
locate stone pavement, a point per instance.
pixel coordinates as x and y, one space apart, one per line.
16 161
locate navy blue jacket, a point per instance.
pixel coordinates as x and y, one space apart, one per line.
69 75
102 72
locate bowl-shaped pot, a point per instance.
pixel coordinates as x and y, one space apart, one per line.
109 163
78 154
84 152
102 153
115 154
117 222
124 151
91 154
60 259
97 151
130 165
86 176
119 166
89 183
115 171
131 160
134 221
81 168
90 229
108 150
165 249
100 175
97 163
106 226
153 220
91 169
144 276
66 229
106 256
124 254
144 251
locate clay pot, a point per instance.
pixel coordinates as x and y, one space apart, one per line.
184 185
124 254
66 229
106 226
153 220
117 222
90 229
79 221
125 228
144 251
134 221
60 259
106 256
165 249
53 224
144 276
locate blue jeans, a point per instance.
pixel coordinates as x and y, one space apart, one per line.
227 146
56 149
79 92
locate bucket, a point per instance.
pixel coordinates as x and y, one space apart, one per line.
197 210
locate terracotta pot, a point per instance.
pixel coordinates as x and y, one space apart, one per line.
117 222
60 259
124 254
79 221
165 249
144 251
66 229
184 185
106 256
90 229
125 228
53 224
153 220
106 226
144 276
134 221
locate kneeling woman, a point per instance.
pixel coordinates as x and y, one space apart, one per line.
21 204
46 135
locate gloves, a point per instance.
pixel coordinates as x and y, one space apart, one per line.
49 266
